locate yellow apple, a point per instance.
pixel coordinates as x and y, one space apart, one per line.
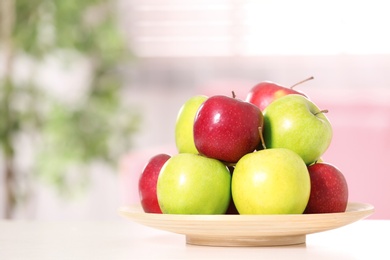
184 136
271 181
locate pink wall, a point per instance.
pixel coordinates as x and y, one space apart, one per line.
361 150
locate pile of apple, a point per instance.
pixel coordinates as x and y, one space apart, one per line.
258 156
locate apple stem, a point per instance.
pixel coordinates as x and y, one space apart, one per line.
229 164
233 94
300 82
262 138
322 111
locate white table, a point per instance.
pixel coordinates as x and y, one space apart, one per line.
123 239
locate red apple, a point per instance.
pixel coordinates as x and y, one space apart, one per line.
232 210
265 92
329 189
226 128
148 182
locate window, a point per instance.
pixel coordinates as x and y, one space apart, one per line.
174 28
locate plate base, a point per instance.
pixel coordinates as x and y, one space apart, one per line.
245 241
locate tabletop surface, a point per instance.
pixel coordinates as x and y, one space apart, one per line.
124 239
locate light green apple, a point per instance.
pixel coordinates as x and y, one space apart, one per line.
184 136
193 184
271 181
296 123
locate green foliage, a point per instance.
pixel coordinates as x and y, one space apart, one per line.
67 136
98 130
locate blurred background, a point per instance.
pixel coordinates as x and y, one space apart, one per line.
90 90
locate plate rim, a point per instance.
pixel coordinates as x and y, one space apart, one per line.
135 210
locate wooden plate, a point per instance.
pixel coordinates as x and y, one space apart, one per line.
247 230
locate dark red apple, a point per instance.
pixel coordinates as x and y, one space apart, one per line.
232 210
265 92
329 189
226 128
148 182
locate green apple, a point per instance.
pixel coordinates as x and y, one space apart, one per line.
296 123
184 136
193 184
271 181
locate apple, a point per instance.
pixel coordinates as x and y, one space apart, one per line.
193 184
319 160
271 181
329 189
232 210
264 93
184 135
226 128
147 183
296 123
